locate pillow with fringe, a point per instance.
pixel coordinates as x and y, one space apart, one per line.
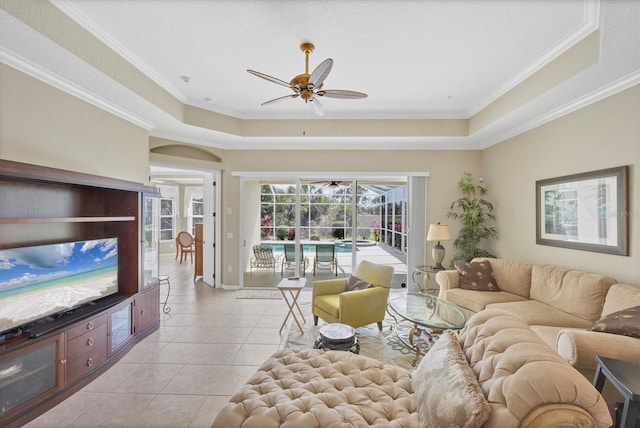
446 389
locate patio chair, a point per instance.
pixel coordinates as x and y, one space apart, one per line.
290 258
325 258
263 259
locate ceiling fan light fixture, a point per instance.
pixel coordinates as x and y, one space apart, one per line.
309 86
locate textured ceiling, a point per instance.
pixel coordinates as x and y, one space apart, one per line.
494 68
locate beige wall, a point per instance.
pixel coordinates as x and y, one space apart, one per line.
444 167
42 125
603 135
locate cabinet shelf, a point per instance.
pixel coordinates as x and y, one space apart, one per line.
66 219
24 373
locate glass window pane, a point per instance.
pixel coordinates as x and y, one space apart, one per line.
166 223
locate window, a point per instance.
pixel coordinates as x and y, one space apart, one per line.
167 219
325 213
196 214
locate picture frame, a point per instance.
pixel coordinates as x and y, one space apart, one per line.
587 211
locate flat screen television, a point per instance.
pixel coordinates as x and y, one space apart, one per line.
40 281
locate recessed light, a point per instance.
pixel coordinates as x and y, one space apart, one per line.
186 79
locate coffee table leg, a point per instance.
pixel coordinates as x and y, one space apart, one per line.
415 331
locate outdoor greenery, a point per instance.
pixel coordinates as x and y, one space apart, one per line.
325 213
474 213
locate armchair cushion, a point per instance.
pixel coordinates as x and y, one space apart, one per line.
329 286
476 276
378 275
355 283
329 303
625 322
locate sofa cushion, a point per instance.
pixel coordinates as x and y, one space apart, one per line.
535 313
313 388
478 300
578 293
355 283
619 297
446 390
512 277
625 322
519 374
476 276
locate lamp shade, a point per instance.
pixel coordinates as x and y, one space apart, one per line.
438 232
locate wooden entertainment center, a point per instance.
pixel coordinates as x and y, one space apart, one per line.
38 206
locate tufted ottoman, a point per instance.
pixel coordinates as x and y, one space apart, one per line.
314 388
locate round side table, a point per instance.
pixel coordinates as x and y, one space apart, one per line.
337 337
425 272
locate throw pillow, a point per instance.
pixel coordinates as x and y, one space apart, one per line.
446 389
625 322
476 276
355 283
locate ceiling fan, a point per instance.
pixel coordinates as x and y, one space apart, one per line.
333 184
309 86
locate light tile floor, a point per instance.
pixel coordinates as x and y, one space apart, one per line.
182 374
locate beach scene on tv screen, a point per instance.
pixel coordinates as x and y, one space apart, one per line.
46 279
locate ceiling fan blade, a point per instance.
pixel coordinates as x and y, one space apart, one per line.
340 93
317 107
272 79
321 72
275 100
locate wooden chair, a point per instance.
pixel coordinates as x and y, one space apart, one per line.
263 259
325 258
290 258
187 245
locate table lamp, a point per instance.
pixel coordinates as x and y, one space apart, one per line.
438 232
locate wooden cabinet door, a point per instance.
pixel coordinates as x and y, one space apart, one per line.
147 309
31 374
120 325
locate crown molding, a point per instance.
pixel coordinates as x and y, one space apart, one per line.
98 32
37 72
613 88
215 108
590 24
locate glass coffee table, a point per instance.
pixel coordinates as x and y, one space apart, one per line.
418 314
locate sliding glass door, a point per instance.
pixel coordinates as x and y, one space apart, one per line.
296 217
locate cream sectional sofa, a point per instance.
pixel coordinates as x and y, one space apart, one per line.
560 305
487 376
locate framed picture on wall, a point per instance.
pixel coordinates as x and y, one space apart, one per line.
587 211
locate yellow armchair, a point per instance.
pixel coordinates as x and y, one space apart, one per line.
332 303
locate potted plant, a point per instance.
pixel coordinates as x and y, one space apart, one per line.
474 213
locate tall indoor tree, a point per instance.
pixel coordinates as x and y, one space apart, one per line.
474 213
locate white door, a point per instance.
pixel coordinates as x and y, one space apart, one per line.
209 226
